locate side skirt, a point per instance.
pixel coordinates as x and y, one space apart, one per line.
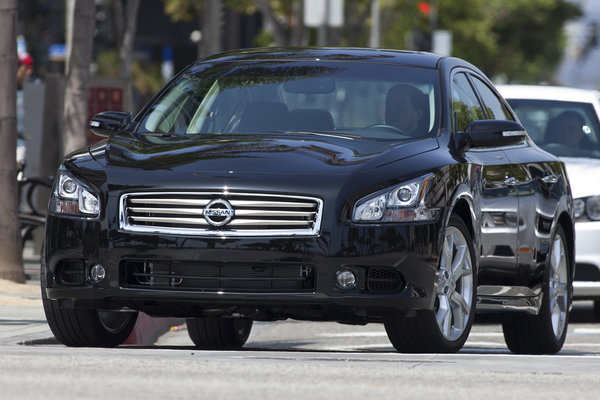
518 299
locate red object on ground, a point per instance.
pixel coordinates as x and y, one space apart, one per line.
148 329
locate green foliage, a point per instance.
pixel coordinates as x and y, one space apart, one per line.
471 24
146 77
182 10
531 37
400 20
108 63
263 39
521 40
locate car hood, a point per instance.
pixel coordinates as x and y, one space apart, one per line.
323 165
239 155
584 176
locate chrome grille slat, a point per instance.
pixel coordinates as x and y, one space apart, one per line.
245 203
161 210
195 221
239 213
183 202
202 221
268 213
245 222
182 213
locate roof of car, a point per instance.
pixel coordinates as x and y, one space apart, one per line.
412 58
548 93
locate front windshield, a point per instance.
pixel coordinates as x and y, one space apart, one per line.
563 128
378 101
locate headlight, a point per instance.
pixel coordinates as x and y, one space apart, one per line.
72 197
587 208
400 203
592 207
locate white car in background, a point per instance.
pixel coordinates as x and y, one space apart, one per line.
564 121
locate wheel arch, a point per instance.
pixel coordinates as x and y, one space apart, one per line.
463 209
565 221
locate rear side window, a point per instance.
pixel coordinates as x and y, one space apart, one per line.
493 105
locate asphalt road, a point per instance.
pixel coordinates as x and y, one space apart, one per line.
301 360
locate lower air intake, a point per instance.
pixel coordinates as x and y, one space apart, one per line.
71 273
218 277
384 280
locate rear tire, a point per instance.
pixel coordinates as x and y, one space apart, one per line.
446 328
219 333
546 332
77 327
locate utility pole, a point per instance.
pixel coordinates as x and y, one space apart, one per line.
374 40
212 16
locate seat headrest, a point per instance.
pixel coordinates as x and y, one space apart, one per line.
311 120
264 116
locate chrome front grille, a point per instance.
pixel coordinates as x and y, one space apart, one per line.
220 214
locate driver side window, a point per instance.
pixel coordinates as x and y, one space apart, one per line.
465 105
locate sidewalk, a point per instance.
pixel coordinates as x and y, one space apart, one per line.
22 318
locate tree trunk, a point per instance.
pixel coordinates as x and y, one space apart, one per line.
126 18
127 36
82 22
212 27
11 261
277 27
298 29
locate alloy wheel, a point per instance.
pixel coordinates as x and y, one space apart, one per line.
558 285
454 285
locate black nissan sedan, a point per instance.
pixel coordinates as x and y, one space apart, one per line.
322 184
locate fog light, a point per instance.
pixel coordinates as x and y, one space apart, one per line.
97 273
345 279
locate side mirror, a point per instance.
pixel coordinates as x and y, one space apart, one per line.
109 122
491 132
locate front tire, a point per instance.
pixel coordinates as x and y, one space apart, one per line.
446 328
546 332
76 327
219 333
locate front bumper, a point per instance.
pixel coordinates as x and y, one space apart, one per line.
164 275
587 260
